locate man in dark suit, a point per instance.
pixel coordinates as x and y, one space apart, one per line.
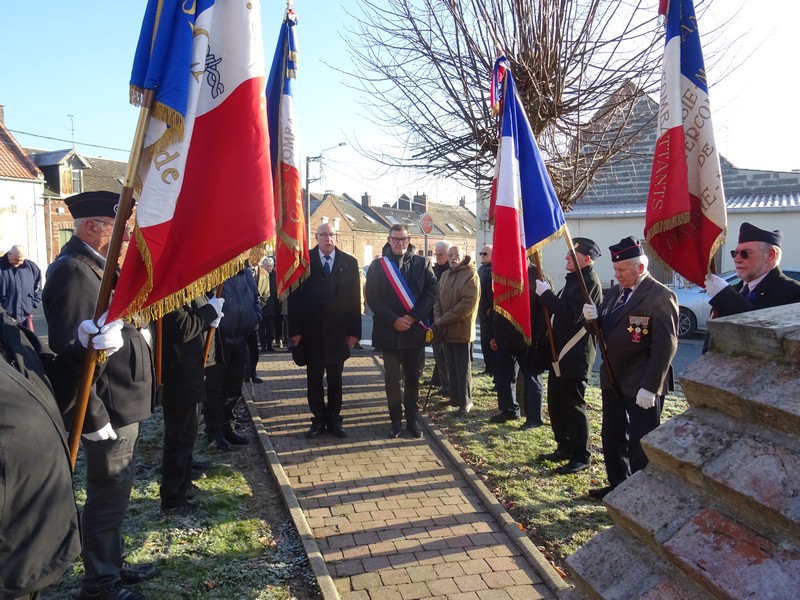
486 309
122 395
639 321
325 318
566 385
762 285
398 327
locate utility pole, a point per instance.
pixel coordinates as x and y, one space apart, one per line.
310 180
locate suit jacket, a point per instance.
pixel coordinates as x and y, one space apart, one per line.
184 334
567 311
325 311
776 289
486 303
123 390
38 516
641 338
386 306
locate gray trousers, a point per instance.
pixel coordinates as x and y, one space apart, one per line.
110 466
459 372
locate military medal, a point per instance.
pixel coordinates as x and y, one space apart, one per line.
637 327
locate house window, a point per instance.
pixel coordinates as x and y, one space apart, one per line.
64 236
350 217
77 181
336 223
324 220
370 219
452 227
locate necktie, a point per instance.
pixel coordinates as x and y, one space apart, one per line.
623 298
327 267
745 290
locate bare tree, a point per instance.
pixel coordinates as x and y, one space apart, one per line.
425 66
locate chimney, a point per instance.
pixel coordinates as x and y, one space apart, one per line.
420 203
463 202
366 200
2 115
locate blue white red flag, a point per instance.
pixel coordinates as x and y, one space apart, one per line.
686 221
206 189
526 210
291 244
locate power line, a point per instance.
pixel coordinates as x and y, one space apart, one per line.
44 137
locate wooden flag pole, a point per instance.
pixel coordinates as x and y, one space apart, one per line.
593 324
110 272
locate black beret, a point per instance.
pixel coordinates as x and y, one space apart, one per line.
94 204
628 247
587 247
751 233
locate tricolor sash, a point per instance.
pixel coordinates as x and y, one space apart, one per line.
403 292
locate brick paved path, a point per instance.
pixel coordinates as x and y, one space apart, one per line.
392 519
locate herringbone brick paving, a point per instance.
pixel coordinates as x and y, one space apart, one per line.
394 519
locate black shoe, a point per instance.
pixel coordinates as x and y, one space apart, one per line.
131 574
197 474
573 466
358 346
394 431
256 379
600 493
337 430
187 509
191 493
554 456
220 444
414 430
202 465
528 424
109 593
314 431
270 349
236 439
503 417
464 410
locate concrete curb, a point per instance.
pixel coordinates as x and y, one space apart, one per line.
511 528
318 567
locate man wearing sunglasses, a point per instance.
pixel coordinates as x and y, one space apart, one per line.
762 285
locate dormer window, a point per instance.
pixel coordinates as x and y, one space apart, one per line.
77 181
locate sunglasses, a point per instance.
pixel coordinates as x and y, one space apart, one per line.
483 253
745 254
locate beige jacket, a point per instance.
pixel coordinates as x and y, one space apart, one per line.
456 305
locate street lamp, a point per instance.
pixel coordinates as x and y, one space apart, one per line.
310 180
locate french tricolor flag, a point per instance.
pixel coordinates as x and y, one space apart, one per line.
524 206
686 220
206 186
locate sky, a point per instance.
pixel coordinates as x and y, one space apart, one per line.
66 67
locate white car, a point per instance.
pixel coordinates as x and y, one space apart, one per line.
695 309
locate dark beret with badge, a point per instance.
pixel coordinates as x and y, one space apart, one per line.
628 247
586 247
751 233
94 204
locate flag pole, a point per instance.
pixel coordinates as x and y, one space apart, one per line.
595 327
110 271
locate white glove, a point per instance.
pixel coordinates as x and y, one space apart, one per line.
105 433
541 287
108 338
645 399
590 312
217 304
215 323
714 285
147 336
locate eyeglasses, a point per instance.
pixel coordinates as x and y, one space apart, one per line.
745 254
326 235
103 222
398 240
483 253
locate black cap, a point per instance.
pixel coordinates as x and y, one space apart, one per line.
94 204
751 233
628 247
587 247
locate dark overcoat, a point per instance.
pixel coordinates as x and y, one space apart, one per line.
566 309
325 311
387 307
184 333
776 289
123 389
39 529
641 338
